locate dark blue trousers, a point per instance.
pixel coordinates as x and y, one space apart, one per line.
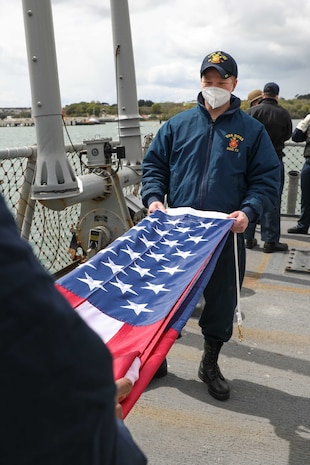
220 294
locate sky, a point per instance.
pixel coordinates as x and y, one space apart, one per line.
268 39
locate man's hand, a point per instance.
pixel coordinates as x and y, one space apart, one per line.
123 388
156 206
241 221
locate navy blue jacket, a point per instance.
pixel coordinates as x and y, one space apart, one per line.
226 165
57 393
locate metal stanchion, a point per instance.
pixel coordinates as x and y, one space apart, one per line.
293 181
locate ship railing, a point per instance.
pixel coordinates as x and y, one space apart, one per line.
50 232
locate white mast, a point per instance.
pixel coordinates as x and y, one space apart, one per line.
128 110
54 177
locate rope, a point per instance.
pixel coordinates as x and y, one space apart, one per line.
238 311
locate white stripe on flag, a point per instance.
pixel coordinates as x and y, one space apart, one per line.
105 326
200 213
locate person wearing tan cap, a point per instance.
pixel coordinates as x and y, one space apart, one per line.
255 97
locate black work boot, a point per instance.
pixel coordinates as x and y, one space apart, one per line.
209 371
162 370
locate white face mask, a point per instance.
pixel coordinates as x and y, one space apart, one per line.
215 96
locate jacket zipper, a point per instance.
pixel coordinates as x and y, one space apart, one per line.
202 193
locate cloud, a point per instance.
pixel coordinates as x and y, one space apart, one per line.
269 41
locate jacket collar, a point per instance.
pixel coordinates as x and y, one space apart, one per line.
272 101
235 103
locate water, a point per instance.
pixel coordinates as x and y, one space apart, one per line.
26 135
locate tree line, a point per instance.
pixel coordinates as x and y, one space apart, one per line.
297 107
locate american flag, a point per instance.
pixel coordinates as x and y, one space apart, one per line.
139 292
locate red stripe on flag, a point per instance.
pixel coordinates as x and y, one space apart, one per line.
149 366
72 298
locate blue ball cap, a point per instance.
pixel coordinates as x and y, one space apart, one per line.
222 62
271 88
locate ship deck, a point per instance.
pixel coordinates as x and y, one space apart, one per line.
267 418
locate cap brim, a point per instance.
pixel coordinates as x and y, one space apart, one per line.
222 72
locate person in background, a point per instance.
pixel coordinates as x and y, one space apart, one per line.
302 134
214 157
278 124
254 97
59 403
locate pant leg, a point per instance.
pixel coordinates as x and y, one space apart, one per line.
270 225
220 294
304 220
249 233
271 219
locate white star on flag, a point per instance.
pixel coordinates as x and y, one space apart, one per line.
184 254
157 256
137 308
173 222
142 271
206 225
151 219
92 283
139 228
169 243
115 268
195 239
156 288
123 286
148 243
171 270
133 255
182 229
162 233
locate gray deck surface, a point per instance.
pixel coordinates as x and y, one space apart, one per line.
267 418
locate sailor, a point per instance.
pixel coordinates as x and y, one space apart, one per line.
214 157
